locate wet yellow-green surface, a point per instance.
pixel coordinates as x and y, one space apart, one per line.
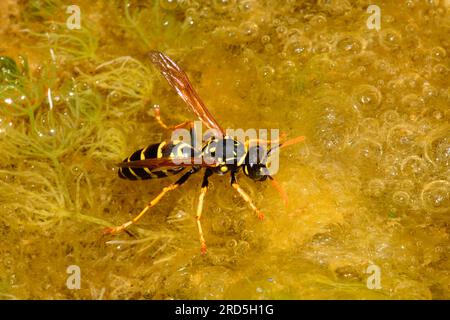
369 187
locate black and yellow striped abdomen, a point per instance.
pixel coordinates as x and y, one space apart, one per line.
158 150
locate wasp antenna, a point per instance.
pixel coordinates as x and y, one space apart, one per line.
280 190
292 141
287 143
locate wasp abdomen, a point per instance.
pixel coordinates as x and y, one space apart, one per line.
153 151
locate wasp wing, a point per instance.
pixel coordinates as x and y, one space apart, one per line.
179 80
167 162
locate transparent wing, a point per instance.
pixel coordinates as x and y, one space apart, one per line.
166 162
178 79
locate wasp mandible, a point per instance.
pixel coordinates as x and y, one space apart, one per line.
163 159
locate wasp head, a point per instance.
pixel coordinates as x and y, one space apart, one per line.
255 164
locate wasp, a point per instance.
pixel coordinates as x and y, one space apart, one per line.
225 154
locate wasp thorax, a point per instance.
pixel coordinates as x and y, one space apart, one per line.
225 151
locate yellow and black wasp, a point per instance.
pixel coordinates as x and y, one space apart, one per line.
163 159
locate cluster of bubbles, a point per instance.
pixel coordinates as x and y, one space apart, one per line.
388 106
373 104
408 161
376 100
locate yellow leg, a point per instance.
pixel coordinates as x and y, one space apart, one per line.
247 198
198 217
118 229
162 124
173 186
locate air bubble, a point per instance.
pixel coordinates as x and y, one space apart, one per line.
265 39
349 45
246 5
267 72
168 4
318 21
321 47
435 196
390 39
366 98
437 115
411 28
222 6
413 103
281 30
401 198
294 33
414 166
438 53
297 47
330 139
232 243
429 91
432 3
334 122
287 67
405 184
248 31
369 149
440 70
391 171
114 96
335 7
384 66
189 21
269 48
413 80
442 151
437 146
221 225
401 137
228 35
375 187
184 4
242 248
369 125
75 170
390 117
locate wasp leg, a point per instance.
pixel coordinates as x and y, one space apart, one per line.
208 173
173 186
186 124
245 196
